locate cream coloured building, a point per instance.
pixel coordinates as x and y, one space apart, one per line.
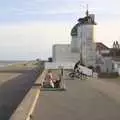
82 45
83 48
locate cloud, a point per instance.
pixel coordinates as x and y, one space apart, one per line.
29 10
108 31
32 39
29 28
35 39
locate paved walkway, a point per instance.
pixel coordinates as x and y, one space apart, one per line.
83 100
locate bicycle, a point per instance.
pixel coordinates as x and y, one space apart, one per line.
78 75
75 74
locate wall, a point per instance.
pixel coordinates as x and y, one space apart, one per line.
119 71
105 64
84 42
116 66
68 65
62 53
86 34
75 44
56 65
108 64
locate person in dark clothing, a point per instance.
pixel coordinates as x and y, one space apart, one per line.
57 83
76 65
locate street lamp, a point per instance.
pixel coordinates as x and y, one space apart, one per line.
81 60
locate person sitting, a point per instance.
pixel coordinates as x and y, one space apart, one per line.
57 83
76 66
56 80
48 82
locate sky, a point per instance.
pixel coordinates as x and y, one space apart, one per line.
29 28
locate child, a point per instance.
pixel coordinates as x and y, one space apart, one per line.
49 79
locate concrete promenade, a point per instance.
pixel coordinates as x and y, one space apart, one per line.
83 100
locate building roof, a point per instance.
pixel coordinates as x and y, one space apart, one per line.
87 20
113 52
100 46
74 30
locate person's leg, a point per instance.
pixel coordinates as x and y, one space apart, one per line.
81 75
55 84
52 84
58 83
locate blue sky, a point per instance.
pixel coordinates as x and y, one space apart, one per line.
29 28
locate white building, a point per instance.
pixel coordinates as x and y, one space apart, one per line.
108 59
82 48
116 65
62 53
82 45
103 58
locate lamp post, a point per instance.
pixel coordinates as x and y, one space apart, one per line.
81 60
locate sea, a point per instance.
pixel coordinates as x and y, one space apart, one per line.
7 63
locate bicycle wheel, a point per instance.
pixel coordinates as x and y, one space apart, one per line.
71 75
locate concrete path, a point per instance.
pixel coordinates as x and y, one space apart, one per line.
81 101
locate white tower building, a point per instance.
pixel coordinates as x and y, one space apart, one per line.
83 39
